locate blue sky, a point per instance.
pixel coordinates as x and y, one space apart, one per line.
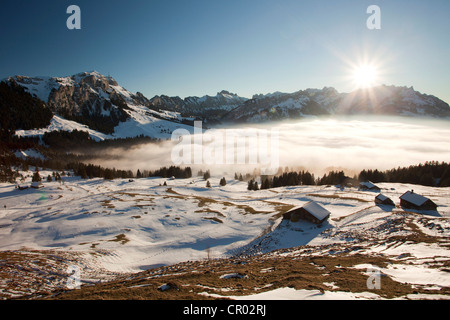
247 46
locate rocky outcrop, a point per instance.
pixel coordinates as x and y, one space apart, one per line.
90 99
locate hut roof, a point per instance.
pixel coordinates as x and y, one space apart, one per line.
382 197
414 198
369 185
316 210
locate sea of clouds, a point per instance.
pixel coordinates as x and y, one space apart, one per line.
315 144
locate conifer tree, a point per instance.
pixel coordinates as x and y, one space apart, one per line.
36 176
265 184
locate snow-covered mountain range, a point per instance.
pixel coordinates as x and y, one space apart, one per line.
380 100
98 103
207 107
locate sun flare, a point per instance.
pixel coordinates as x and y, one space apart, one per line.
365 76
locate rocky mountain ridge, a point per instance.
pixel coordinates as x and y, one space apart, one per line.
380 100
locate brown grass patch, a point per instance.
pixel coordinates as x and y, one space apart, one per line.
170 190
210 211
213 219
107 204
336 196
192 278
281 208
120 238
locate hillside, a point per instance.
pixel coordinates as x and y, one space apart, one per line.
218 242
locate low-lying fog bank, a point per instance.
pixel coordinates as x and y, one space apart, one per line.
316 144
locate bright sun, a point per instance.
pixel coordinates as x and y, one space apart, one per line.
365 76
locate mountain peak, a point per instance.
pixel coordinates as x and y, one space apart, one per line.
90 73
225 92
93 75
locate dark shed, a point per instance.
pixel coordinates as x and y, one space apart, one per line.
382 199
411 200
311 211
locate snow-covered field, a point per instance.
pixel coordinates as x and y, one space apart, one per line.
154 224
122 226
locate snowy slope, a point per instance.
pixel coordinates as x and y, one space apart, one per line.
120 226
60 124
164 225
40 86
140 123
159 226
149 123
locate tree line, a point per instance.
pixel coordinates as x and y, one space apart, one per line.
20 110
291 178
89 171
432 173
